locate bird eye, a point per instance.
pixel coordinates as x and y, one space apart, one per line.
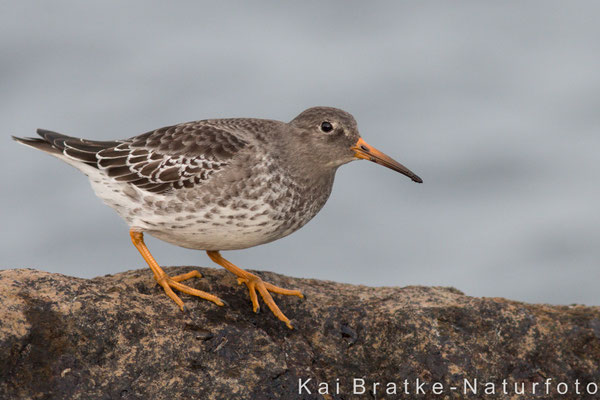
326 126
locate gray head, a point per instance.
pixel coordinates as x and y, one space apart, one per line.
329 137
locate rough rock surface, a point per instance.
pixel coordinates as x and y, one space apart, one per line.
120 337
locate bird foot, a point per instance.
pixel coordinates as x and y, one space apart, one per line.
255 283
169 283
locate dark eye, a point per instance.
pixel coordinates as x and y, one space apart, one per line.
326 126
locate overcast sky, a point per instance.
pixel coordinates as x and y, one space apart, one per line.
496 105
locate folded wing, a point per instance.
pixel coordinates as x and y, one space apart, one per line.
169 158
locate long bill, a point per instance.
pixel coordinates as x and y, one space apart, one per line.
368 152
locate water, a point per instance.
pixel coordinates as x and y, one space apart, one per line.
494 104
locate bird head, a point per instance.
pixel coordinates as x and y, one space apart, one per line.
330 137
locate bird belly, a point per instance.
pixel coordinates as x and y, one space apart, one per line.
224 237
229 227
209 223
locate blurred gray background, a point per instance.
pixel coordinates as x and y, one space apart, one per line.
495 104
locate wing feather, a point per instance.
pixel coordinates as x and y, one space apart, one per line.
169 158
174 157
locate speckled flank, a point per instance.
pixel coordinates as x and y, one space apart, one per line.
216 184
259 210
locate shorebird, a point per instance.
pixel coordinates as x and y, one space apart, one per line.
219 184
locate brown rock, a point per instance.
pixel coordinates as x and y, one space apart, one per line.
120 337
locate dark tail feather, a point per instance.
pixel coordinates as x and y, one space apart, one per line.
56 143
40 144
54 138
61 142
52 142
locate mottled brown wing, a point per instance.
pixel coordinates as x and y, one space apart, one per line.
168 158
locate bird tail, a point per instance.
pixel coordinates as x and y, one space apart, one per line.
74 151
50 142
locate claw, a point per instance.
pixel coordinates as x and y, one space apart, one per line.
169 283
255 283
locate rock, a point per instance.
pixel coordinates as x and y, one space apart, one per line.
120 337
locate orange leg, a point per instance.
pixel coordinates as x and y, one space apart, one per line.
165 280
254 283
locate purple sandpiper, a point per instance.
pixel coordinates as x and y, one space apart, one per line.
220 184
